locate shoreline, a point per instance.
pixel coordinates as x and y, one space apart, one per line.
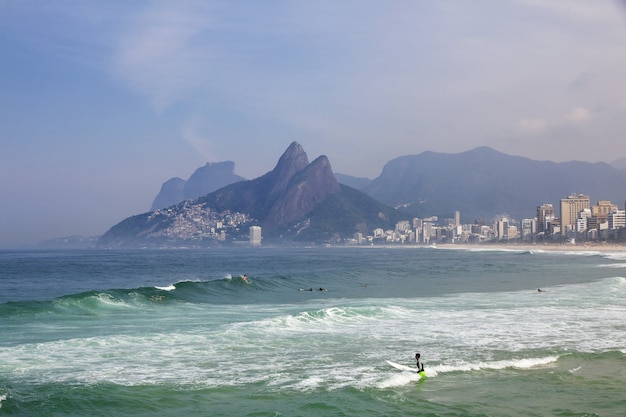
552 247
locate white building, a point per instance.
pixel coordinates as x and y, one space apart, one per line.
255 235
427 230
583 220
502 228
529 228
617 219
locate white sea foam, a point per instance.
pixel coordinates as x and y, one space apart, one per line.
618 256
2 398
170 287
616 266
333 319
479 248
109 300
524 363
398 379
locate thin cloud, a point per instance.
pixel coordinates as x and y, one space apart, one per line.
593 11
159 55
576 117
529 126
199 142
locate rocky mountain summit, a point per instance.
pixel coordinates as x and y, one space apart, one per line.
212 176
287 193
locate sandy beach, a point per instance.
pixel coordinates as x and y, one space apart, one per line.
583 247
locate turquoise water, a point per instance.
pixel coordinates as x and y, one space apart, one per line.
179 332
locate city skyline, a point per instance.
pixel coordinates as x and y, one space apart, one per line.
578 220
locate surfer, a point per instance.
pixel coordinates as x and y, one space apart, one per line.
420 364
245 277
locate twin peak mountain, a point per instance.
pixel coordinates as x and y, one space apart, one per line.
296 201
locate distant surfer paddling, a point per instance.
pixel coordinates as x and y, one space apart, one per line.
420 366
245 278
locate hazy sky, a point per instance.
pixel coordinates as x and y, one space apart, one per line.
101 102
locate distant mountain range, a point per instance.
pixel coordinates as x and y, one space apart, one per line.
619 164
307 202
359 183
483 182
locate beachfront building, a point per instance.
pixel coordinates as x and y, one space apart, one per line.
545 216
617 219
570 209
602 210
502 228
528 229
582 222
255 235
428 229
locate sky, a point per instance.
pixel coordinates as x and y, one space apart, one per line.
102 102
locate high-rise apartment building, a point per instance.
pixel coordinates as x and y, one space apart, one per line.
255 235
502 228
528 228
570 207
427 229
545 216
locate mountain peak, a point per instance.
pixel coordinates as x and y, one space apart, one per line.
309 187
293 160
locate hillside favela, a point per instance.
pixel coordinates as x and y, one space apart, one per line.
302 203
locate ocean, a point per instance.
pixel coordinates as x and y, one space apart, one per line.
309 333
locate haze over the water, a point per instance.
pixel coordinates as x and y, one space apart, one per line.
101 102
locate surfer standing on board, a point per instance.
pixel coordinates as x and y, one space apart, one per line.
420 364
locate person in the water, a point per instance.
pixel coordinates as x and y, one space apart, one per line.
420 365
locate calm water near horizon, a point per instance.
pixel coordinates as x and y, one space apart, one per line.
179 332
